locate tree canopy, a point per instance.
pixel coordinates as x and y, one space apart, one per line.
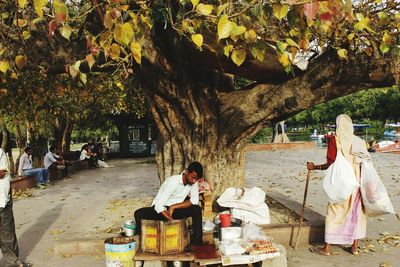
58 36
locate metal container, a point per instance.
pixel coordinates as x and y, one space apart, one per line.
235 222
128 228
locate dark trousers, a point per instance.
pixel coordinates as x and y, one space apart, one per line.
193 211
64 171
8 238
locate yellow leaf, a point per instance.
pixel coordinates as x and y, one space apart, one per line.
284 59
224 27
194 3
387 39
4 66
14 76
204 9
280 11
258 53
124 7
90 60
20 61
238 56
237 30
65 31
22 3
350 37
197 39
185 25
73 71
136 51
38 5
227 50
114 51
342 53
20 22
108 20
290 42
60 10
26 35
294 32
123 34
221 8
363 23
147 20
83 78
250 36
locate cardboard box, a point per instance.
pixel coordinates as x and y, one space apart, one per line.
164 237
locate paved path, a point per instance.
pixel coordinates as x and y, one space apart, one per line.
95 202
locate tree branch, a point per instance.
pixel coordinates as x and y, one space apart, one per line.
245 112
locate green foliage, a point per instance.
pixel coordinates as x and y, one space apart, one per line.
365 106
263 136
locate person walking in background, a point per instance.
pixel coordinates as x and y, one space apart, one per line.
345 222
25 168
8 238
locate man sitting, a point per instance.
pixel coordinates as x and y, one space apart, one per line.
52 161
170 203
25 168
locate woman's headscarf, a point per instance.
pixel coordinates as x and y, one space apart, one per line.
344 135
351 145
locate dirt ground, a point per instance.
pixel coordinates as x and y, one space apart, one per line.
96 202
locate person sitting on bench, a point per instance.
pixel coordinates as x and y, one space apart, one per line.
170 202
52 161
25 168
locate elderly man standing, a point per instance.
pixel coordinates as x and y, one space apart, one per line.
25 168
8 238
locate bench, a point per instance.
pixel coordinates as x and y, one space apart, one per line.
23 183
77 165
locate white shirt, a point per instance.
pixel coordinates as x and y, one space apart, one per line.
25 163
5 182
173 191
84 155
49 159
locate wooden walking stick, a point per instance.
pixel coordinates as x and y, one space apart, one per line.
302 208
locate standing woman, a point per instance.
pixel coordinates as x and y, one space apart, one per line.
345 222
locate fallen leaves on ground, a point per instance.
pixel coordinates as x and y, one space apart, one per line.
56 232
386 241
21 194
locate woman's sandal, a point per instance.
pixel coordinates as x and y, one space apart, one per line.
320 251
351 251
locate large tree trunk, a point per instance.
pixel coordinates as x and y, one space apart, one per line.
21 143
58 131
66 139
38 143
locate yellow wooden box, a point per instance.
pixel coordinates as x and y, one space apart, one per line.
164 237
